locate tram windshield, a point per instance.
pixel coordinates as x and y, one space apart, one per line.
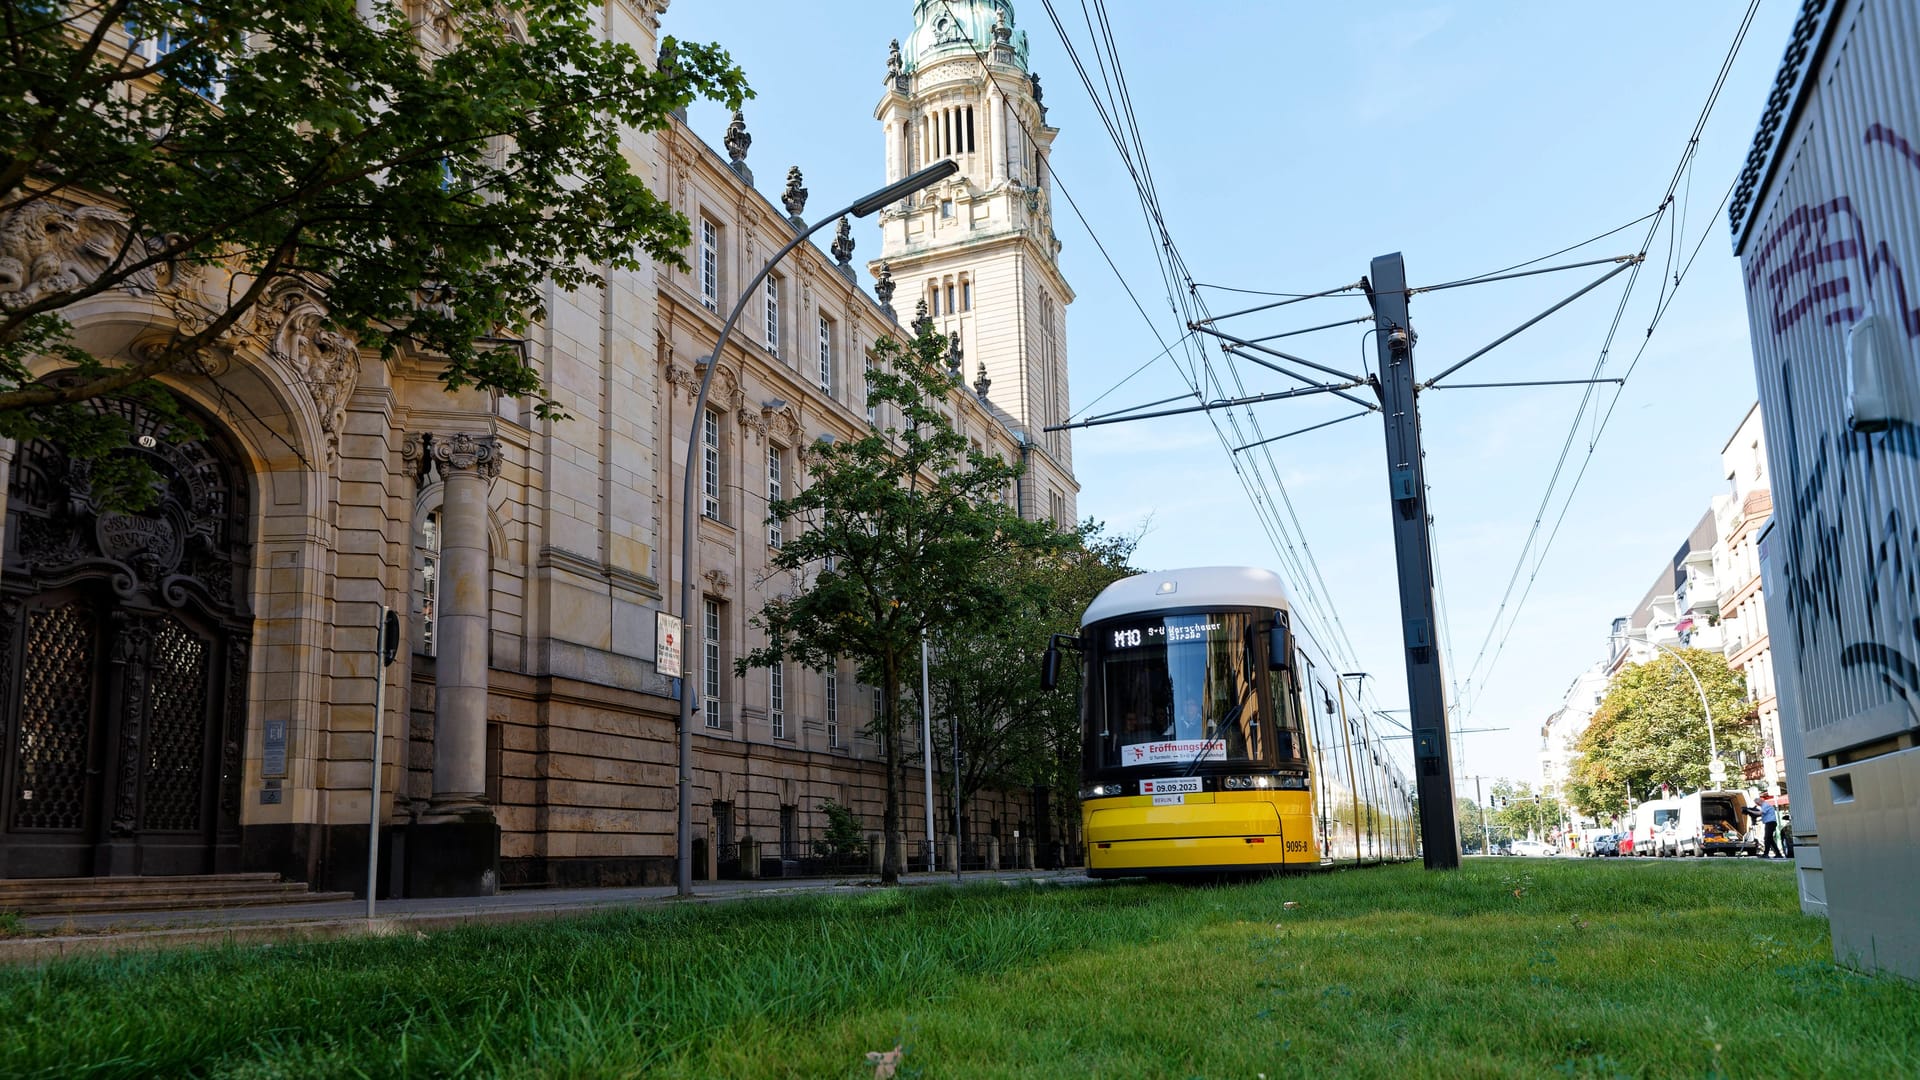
1178 691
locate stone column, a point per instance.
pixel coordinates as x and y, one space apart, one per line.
454 848
466 462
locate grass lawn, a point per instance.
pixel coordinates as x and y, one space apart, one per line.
1509 967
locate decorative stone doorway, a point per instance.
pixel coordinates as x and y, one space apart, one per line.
123 663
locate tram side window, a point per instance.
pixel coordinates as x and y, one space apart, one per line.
1286 717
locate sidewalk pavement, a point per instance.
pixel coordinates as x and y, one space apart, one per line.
68 935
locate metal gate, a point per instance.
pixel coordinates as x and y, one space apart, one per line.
123 664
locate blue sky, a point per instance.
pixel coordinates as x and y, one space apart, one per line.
1292 143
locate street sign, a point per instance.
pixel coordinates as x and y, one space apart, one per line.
390 637
666 653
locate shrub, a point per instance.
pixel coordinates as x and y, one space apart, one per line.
844 838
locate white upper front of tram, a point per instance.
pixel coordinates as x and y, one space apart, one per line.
1203 587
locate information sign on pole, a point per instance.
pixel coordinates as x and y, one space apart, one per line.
666 654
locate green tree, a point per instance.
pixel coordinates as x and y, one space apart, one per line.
986 672
1524 812
899 529
426 181
1649 731
1467 818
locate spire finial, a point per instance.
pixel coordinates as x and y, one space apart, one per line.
842 241
795 197
883 291
737 140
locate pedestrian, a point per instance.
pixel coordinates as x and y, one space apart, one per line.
1786 834
1770 821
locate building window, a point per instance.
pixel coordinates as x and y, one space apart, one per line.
723 831
950 305
773 315
710 647
1056 507
946 208
429 559
833 710
966 293
826 354
777 699
709 265
207 80
879 704
775 470
873 411
789 831
710 465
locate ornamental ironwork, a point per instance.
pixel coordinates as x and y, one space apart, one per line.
124 653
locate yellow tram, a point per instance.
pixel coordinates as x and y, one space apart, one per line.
1218 738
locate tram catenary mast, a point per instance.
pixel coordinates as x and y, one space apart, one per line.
1397 389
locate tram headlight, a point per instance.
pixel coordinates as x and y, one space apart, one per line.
1248 783
1098 791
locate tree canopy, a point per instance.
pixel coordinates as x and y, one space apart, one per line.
1649 731
900 531
986 671
1522 812
427 178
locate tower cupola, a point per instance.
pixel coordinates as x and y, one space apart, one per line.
964 28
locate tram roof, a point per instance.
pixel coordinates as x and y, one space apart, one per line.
1194 587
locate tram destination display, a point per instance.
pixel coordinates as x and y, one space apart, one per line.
1158 634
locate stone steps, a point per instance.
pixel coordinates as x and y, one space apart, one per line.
106 895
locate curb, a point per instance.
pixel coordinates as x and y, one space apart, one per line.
109 939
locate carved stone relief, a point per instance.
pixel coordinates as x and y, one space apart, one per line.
48 247
293 317
784 425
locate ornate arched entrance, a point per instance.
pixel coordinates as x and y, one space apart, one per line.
123 662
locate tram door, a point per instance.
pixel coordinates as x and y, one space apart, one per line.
123 664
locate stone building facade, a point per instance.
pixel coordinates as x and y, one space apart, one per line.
1742 512
193 689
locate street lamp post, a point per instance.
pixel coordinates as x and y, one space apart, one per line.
899 189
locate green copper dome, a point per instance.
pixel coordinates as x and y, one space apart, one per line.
948 28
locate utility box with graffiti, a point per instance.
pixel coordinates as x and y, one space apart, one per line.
1826 222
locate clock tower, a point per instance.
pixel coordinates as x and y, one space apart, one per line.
978 249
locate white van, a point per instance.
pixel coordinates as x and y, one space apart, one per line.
1715 823
1656 827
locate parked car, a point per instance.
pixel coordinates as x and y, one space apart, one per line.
1604 845
1623 844
1533 848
